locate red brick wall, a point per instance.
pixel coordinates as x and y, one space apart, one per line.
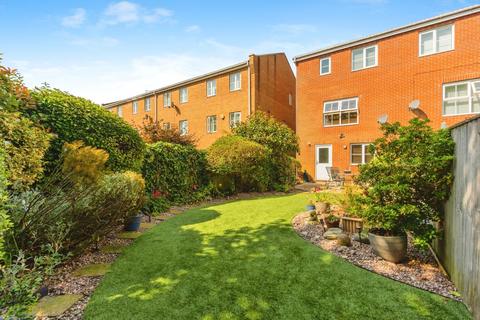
400 77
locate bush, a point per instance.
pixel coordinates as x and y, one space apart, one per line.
5 223
72 118
245 162
174 174
84 164
154 131
408 180
280 140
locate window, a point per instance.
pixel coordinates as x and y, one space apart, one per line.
325 66
436 40
183 127
290 99
461 98
340 112
235 118
167 126
235 81
359 153
135 107
211 124
364 58
183 95
147 104
120 111
167 99
211 88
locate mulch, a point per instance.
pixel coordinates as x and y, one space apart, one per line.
420 270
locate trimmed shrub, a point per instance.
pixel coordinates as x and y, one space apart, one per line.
245 162
408 180
72 118
174 174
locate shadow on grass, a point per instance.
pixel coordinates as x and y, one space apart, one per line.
197 266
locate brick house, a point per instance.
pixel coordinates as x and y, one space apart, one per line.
428 69
210 104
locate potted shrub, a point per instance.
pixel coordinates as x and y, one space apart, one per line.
405 186
332 221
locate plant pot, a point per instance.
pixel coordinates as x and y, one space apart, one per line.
133 224
333 224
393 249
309 207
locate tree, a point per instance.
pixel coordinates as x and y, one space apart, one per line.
155 131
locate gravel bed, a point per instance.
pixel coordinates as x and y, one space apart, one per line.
420 270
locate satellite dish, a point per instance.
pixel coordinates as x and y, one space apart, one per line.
383 119
443 125
414 105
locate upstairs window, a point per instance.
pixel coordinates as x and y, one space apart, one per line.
340 112
183 127
325 66
120 111
359 153
235 81
147 104
363 58
183 95
167 99
212 124
437 40
235 119
135 107
211 88
461 98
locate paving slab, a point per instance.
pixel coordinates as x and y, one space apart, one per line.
92 270
54 306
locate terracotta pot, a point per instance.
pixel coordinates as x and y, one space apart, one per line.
393 249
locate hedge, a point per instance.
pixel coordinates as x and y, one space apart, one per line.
174 174
73 118
4 221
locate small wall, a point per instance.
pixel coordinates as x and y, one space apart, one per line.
459 250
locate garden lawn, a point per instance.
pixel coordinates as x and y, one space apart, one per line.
242 260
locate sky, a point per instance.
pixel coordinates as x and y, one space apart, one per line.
109 50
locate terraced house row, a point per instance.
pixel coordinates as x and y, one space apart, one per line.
428 69
209 105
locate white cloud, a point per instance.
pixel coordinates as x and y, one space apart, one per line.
76 19
192 28
294 29
97 42
131 12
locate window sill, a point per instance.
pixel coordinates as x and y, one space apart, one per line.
340 125
434 53
374 66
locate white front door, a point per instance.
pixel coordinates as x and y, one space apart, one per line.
323 159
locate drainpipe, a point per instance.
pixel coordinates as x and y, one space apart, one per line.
249 94
156 112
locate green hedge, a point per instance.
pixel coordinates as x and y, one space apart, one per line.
4 221
72 118
174 174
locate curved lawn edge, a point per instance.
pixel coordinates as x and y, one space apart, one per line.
243 259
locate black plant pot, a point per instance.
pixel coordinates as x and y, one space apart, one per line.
42 291
133 224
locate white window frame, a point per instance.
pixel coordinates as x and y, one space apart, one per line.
365 147
167 126
146 104
183 131
435 41
364 58
211 92
134 107
183 99
167 99
329 59
339 111
120 111
290 99
231 118
470 96
237 84
209 128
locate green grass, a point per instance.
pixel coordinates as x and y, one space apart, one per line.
242 260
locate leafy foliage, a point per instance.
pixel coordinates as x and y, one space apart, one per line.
154 131
245 162
5 223
174 174
408 180
72 118
84 164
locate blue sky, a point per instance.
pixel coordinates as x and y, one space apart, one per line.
107 50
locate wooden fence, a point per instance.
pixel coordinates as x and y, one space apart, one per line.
459 250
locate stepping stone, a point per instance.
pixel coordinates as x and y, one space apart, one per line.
92 270
112 249
129 235
54 306
332 233
147 225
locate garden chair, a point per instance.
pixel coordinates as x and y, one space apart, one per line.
335 178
